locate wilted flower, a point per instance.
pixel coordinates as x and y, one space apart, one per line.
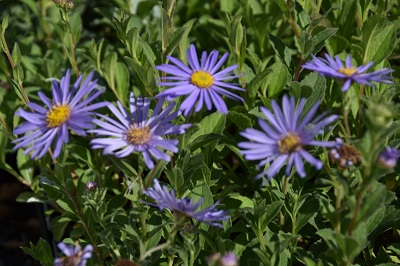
167 200
136 132
388 158
201 81
344 155
68 109
335 68
283 141
75 256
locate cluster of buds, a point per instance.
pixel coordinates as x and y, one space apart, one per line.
67 4
388 158
344 155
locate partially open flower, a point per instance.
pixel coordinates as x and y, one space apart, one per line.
388 158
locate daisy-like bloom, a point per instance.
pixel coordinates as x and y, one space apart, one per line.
136 132
67 109
334 67
283 140
199 80
388 158
74 255
185 207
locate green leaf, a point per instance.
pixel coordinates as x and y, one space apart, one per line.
239 119
282 5
66 204
305 43
25 166
28 197
18 74
337 44
378 39
318 85
277 79
372 202
320 37
140 71
203 140
109 63
16 54
256 82
175 39
184 44
124 166
236 36
4 24
148 52
307 211
281 50
122 79
214 123
41 252
175 177
265 214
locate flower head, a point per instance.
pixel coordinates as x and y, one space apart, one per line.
91 185
167 200
335 68
344 155
388 158
229 259
136 132
68 109
200 80
74 255
283 140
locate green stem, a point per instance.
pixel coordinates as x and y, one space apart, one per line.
82 220
10 59
338 205
153 171
284 191
359 198
71 42
346 115
152 250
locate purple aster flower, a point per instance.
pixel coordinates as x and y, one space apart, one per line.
167 200
282 141
74 255
201 81
229 259
388 158
68 109
335 68
136 132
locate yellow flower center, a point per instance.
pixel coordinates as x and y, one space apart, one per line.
138 136
289 143
58 115
347 71
202 79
